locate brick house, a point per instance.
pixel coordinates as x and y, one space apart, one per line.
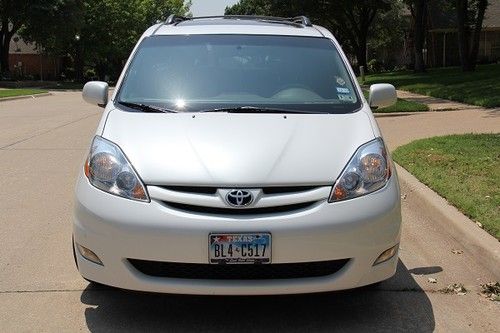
25 61
442 40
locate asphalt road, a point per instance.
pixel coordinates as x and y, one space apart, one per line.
42 144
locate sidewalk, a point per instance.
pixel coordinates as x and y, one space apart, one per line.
445 118
435 104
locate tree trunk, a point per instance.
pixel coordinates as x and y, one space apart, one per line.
463 34
79 62
419 34
5 38
360 50
481 9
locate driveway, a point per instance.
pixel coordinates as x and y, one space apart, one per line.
42 144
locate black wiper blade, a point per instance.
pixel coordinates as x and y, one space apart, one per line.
255 109
147 107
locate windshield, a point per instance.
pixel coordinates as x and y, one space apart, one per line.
191 73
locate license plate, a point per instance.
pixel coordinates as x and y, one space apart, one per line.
240 248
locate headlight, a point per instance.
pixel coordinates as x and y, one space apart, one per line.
367 171
108 169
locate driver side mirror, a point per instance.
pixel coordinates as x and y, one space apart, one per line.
96 93
382 95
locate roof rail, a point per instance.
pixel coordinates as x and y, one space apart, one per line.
298 20
173 19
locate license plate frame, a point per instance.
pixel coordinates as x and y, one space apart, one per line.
239 248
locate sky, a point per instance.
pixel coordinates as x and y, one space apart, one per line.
210 7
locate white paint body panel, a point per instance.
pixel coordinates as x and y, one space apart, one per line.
232 151
220 149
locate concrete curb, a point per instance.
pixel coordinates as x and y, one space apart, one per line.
484 247
13 98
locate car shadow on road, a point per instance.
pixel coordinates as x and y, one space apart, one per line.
398 304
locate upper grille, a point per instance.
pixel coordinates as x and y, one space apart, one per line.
213 200
238 272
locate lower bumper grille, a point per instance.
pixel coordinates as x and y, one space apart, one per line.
245 211
238 272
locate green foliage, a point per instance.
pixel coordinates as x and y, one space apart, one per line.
110 29
14 14
479 88
464 169
52 26
250 7
351 21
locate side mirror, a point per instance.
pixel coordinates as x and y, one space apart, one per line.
382 95
96 93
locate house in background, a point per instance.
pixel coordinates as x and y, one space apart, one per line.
442 40
26 61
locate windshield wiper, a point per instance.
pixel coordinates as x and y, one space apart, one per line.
255 109
147 107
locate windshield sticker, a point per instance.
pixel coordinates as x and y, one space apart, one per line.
346 98
340 80
343 90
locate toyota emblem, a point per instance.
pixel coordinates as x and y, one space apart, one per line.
239 198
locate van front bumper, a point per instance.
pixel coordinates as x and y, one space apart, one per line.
117 230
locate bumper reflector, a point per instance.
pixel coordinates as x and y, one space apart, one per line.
89 255
386 255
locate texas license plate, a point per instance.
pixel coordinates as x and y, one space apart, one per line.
240 248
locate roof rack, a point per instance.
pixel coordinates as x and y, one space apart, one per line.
298 20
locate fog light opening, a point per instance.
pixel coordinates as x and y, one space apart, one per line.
386 255
89 255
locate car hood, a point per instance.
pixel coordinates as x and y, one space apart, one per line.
221 149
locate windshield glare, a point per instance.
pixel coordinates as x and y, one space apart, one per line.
202 72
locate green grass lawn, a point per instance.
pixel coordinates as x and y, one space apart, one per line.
481 87
464 169
20 92
401 106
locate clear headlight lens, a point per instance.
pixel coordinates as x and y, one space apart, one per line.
367 171
108 169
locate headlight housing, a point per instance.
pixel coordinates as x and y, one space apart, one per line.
108 169
367 171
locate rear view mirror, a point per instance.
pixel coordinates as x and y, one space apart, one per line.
96 93
382 95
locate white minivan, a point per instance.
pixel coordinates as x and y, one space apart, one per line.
237 156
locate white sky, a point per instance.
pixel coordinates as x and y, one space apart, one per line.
210 7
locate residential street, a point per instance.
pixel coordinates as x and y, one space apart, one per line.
42 144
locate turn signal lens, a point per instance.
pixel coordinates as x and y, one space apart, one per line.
88 254
367 171
386 255
108 169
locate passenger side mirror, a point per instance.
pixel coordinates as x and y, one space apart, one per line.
96 93
382 95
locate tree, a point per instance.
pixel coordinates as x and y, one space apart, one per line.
35 17
470 15
53 28
110 29
419 11
350 20
250 7
389 33
13 13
